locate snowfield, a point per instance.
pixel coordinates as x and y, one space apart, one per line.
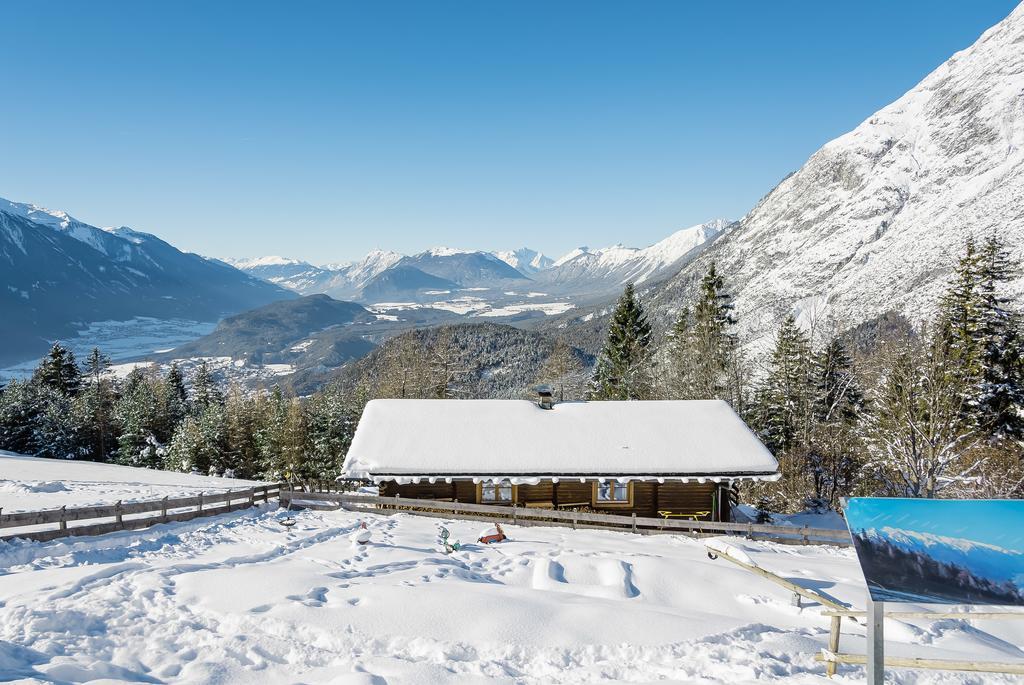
30 484
239 598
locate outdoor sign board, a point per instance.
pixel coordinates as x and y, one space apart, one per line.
940 551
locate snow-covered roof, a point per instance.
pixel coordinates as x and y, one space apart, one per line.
412 440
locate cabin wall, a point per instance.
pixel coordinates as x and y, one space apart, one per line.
649 497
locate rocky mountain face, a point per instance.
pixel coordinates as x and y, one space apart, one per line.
874 220
58 274
606 270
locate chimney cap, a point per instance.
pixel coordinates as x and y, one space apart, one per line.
545 389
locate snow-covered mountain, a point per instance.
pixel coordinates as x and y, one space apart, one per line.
58 274
874 220
343 281
583 273
524 260
609 268
466 267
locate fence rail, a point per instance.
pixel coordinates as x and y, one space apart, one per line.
176 509
517 514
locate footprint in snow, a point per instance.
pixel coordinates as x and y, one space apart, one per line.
262 608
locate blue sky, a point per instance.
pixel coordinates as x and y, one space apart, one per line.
324 130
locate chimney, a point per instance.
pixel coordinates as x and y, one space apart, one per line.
545 396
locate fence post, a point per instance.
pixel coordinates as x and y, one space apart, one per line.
63 518
200 510
833 643
118 514
634 521
574 521
806 539
515 513
163 508
252 497
750 530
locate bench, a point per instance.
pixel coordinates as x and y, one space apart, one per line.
691 515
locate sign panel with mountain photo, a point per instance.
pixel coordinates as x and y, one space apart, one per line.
940 551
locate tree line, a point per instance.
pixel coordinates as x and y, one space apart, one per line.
937 411
71 411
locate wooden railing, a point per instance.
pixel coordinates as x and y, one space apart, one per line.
518 514
126 515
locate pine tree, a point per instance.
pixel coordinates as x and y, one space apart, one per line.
1000 400
831 457
271 410
18 416
204 390
838 395
96 404
241 434
332 417
785 396
295 443
136 414
703 353
59 370
198 443
623 369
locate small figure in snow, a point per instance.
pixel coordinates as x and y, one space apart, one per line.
449 547
495 534
362 534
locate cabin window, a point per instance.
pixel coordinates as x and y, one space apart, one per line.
496 492
613 493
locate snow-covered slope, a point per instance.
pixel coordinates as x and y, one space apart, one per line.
239 598
610 268
30 484
874 219
59 274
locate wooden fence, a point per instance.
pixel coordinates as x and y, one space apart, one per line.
126 515
520 515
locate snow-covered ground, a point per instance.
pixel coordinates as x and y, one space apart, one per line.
30 484
240 598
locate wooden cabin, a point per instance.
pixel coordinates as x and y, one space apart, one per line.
656 458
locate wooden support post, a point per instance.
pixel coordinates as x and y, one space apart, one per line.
515 513
876 642
252 497
63 518
833 643
750 530
163 508
806 540
200 502
118 514
634 521
574 523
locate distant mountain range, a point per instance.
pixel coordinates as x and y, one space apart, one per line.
583 273
58 274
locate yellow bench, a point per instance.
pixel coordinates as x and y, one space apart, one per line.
693 516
